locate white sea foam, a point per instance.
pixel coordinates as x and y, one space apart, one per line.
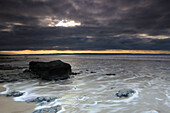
159 99
93 92
167 94
94 104
62 110
152 111
6 91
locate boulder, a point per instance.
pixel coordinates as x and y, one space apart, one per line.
14 94
124 93
41 100
76 73
54 70
92 72
110 74
48 110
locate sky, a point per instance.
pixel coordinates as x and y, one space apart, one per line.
84 26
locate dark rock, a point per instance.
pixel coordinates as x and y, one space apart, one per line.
2 81
8 67
26 71
10 77
5 67
17 77
112 88
54 70
74 73
110 74
41 100
14 94
124 93
92 72
48 110
11 80
27 75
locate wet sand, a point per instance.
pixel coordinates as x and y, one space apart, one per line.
7 105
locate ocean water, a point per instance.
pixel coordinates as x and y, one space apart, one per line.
92 91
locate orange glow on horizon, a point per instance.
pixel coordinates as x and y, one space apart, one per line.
85 51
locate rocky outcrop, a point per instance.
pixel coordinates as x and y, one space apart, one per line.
48 110
54 70
41 100
17 77
14 94
124 93
8 67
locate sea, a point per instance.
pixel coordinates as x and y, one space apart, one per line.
100 78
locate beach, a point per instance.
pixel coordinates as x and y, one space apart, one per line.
94 88
8 105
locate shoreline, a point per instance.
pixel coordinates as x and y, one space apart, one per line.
8 105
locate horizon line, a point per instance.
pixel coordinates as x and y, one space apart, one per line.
85 51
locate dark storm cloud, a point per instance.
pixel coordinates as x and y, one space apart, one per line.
105 24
